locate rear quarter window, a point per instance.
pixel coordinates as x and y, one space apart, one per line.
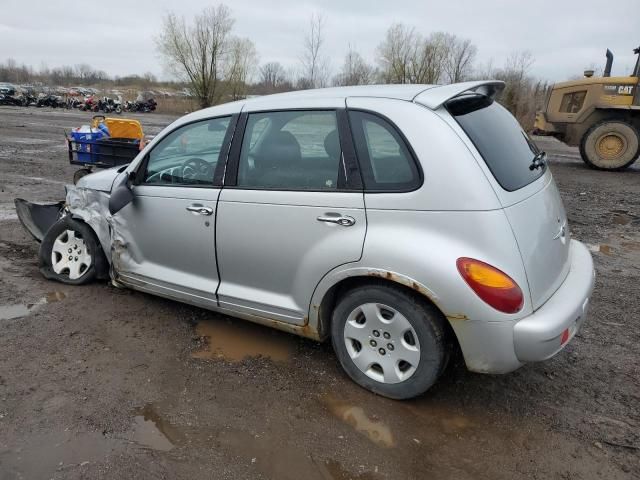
387 163
497 135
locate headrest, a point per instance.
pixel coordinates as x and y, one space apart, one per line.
332 144
282 149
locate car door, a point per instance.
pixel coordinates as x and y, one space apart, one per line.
168 229
291 210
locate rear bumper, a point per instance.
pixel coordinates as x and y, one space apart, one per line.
539 336
503 346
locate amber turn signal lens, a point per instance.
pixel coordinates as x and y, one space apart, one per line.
493 286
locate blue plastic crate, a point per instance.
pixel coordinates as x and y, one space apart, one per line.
86 146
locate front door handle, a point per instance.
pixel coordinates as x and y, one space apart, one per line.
342 220
200 210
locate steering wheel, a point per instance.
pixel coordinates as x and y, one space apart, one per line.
197 169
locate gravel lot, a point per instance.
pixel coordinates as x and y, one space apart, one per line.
97 382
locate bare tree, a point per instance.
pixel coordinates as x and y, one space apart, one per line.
405 56
355 70
12 72
428 58
198 53
519 92
461 54
83 71
150 78
395 53
242 63
315 68
272 75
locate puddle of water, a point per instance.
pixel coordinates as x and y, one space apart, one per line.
606 249
631 245
39 141
621 219
37 179
275 459
375 430
52 297
600 248
41 456
9 215
236 340
439 419
150 430
338 472
9 312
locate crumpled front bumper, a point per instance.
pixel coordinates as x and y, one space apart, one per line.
89 205
540 335
37 218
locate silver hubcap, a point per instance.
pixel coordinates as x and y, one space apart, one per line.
382 343
69 255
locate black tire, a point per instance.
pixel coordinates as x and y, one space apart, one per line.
78 174
426 321
98 267
618 134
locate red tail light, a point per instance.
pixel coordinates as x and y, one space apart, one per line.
493 286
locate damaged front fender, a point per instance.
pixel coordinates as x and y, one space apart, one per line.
90 206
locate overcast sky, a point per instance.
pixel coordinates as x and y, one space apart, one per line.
116 36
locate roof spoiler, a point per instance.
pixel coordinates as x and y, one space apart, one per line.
436 97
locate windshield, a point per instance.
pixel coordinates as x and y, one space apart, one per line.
506 148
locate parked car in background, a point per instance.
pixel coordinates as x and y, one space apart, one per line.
7 89
402 222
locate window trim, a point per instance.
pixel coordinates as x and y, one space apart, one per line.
349 177
218 173
418 181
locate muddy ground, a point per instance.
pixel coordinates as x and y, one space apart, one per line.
97 382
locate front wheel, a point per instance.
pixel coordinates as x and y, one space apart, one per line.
389 341
610 145
70 253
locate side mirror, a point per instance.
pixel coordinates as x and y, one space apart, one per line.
121 194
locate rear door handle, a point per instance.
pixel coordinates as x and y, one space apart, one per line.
200 209
342 220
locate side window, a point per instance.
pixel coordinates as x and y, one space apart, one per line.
295 150
188 155
386 162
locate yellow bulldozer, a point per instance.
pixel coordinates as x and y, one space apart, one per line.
601 115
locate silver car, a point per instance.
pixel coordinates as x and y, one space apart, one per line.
403 222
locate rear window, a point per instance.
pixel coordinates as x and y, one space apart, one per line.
505 147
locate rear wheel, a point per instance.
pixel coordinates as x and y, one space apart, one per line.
389 341
70 253
610 145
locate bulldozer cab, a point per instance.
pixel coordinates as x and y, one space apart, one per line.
573 109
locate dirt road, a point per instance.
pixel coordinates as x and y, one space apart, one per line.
97 382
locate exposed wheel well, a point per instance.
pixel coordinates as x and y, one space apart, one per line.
332 296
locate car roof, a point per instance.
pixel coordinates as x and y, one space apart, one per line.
405 92
399 92
431 96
